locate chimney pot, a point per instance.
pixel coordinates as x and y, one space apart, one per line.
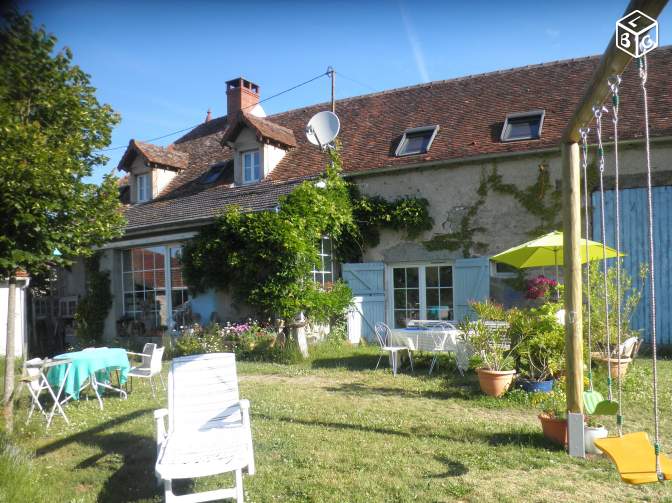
208 116
241 94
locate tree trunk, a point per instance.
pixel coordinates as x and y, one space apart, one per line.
8 410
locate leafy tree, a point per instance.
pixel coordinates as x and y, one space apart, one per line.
266 257
52 128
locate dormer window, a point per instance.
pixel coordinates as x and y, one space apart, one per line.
251 166
523 126
144 188
416 140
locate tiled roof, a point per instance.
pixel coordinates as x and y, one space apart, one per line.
265 130
164 156
469 110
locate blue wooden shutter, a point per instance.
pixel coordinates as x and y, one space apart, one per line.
367 282
471 282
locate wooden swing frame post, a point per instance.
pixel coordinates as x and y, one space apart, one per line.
613 62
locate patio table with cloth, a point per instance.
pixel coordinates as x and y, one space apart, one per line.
93 365
423 339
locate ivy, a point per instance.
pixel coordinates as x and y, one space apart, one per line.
94 307
408 215
266 258
540 199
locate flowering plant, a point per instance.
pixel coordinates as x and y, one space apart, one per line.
540 287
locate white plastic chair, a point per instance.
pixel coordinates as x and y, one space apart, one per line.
628 348
383 334
208 426
150 365
35 379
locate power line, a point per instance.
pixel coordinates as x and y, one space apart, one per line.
341 74
249 106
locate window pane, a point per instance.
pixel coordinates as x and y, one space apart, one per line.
129 302
128 282
126 263
446 296
413 298
257 174
432 276
399 277
522 127
445 313
399 299
255 155
412 277
432 296
400 318
446 275
433 312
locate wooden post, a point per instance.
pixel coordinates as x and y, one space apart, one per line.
332 73
571 203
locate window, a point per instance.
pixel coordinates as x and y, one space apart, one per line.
146 278
251 169
422 293
416 140
41 308
217 172
324 275
523 126
500 270
67 306
144 189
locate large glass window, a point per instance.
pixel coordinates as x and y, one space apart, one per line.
251 167
324 274
144 282
422 293
144 188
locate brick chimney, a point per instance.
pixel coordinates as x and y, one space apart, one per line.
241 94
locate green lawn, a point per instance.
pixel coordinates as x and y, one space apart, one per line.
333 430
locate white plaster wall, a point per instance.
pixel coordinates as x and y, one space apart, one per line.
271 157
20 318
222 303
161 178
246 140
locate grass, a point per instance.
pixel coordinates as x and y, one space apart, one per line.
333 430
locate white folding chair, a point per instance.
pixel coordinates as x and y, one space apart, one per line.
150 365
384 334
35 379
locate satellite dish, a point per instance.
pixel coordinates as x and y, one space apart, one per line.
323 128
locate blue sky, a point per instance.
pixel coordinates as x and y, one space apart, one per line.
161 65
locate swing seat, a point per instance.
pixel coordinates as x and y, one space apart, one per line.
595 404
635 458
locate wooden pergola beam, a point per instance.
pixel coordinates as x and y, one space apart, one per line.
613 62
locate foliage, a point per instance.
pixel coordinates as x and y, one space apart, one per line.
267 257
19 481
540 287
93 308
327 305
409 215
250 341
491 345
540 199
52 129
630 298
554 404
539 341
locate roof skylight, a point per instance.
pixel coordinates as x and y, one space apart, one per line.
416 140
523 126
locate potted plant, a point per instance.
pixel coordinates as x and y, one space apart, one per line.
553 416
492 349
591 432
540 347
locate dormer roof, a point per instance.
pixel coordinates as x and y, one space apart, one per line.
266 131
162 157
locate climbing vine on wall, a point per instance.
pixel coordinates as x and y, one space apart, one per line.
540 199
93 308
408 215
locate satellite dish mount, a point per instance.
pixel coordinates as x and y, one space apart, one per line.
322 129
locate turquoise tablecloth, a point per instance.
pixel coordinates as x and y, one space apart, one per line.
84 364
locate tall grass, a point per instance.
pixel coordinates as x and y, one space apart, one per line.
19 478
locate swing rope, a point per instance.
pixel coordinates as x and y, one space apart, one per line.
614 84
584 163
652 274
598 111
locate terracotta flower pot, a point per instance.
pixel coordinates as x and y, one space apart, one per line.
495 382
554 429
613 365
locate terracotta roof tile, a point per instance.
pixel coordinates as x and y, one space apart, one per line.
164 156
265 129
469 110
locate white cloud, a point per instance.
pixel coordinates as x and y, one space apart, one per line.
413 41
